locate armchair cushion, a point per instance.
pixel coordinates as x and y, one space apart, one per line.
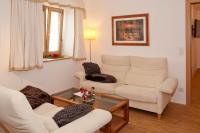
47 110
17 114
45 113
169 86
48 122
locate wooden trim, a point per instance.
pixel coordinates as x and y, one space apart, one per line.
61 31
146 15
120 105
45 31
74 33
56 9
107 128
48 30
56 59
188 53
24 69
70 6
78 59
63 100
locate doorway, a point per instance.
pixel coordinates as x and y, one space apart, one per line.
193 51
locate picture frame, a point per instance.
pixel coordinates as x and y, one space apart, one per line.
130 30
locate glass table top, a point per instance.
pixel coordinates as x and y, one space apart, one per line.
102 101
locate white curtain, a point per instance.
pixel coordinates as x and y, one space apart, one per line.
27 35
73 3
73 41
68 32
79 47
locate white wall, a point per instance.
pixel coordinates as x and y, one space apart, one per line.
54 77
167 32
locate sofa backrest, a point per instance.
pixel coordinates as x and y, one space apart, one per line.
118 66
147 72
17 114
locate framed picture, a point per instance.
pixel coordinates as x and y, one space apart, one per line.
130 30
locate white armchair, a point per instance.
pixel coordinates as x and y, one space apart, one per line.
17 116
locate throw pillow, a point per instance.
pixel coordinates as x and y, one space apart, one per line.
91 68
102 78
36 96
71 113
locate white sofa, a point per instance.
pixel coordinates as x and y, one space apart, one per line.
144 81
17 116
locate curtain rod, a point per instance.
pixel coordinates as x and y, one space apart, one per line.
61 5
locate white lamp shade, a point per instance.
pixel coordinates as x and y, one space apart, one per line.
90 34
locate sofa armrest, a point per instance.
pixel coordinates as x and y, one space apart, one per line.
89 123
169 86
80 75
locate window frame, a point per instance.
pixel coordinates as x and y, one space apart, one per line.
47 24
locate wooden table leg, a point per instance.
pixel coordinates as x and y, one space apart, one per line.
126 112
108 128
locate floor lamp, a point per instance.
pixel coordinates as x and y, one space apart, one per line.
90 34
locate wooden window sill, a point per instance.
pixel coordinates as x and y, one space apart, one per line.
56 59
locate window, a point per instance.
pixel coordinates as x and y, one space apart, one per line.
53 31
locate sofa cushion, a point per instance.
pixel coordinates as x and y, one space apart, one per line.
116 60
136 93
118 66
144 80
99 87
17 114
147 72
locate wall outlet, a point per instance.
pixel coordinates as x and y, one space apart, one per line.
181 51
181 89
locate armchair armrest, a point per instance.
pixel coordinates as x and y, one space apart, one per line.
80 75
89 123
169 86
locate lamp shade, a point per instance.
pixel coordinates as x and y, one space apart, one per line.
90 34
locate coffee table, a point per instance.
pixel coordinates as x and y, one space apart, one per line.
118 106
